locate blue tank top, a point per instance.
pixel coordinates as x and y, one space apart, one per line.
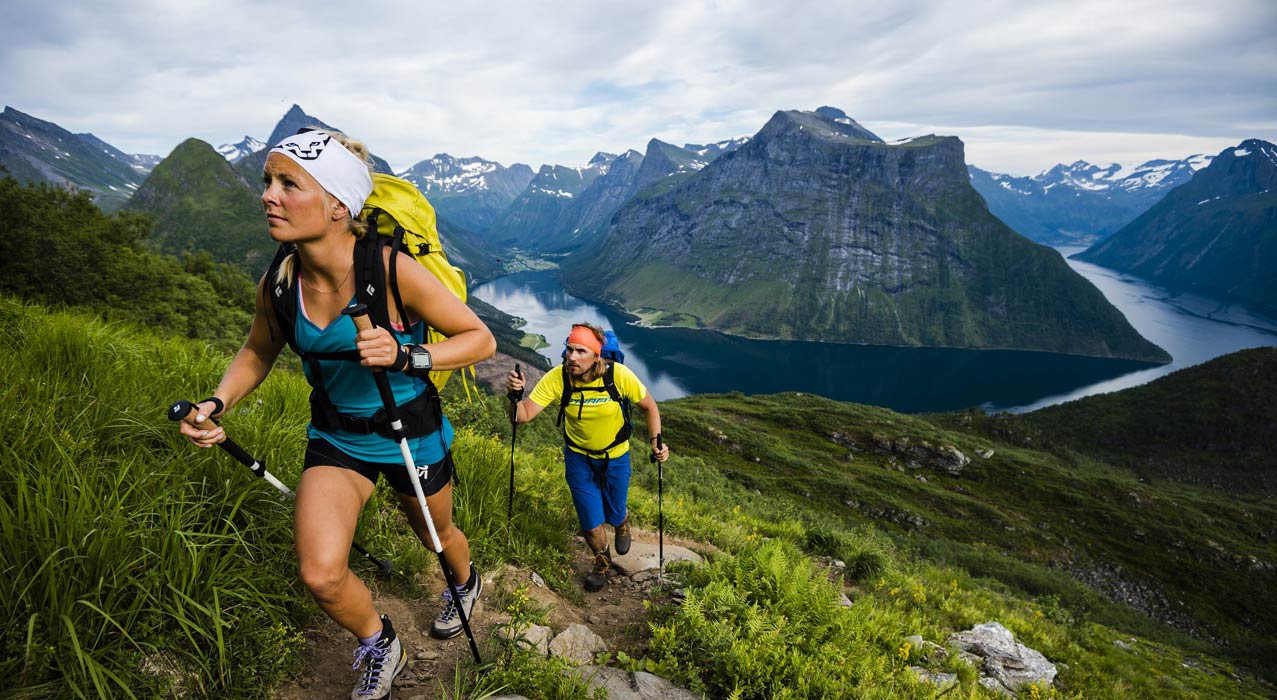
353 391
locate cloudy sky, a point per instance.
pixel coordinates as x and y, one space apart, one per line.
1024 84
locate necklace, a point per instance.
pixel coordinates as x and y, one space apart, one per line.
340 284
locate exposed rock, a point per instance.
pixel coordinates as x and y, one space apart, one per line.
534 637
984 453
645 556
577 644
920 453
1007 665
936 678
623 685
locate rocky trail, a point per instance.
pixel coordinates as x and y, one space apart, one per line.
617 615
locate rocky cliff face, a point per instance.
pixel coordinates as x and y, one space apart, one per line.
817 230
540 210
1217 233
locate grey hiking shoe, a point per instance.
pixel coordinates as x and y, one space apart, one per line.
379 664
448 624
597 579
623 538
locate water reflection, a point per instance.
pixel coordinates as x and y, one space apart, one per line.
676 362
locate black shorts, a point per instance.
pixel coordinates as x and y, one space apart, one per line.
320 452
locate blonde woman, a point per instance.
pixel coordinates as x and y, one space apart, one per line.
315 185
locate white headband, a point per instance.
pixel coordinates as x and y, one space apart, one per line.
336 169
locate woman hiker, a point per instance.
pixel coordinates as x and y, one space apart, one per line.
596 450
315 187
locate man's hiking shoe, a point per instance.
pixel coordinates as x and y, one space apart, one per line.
623 538
379 663
597 579
448 624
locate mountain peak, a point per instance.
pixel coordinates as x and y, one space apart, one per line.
824 123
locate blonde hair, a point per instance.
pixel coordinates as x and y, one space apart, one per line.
358 227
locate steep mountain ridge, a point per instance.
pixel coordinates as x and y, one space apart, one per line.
1216 233
34 150
540 210
815 229
250 166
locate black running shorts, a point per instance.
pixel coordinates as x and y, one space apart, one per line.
323 453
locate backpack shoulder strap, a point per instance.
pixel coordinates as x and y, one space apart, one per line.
283 300
370 277
609 383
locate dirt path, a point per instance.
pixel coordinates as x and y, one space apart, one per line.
617 614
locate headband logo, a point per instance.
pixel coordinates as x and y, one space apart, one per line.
310 151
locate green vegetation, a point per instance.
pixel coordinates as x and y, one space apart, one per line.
1210 425
58 247
133 565
200 203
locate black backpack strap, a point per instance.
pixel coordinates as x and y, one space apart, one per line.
370 275
609 385
282 297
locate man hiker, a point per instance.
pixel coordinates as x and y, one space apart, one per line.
593 395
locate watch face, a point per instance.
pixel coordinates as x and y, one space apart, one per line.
420 358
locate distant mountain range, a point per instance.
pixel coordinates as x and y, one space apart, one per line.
33 150
470 191
1081 203
1217 233
236 151
817 230
813 229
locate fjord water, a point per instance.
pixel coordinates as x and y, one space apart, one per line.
675 362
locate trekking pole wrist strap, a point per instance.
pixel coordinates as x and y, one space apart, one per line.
401 360
220 406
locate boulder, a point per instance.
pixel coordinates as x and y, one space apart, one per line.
623 685
1006 663
577 644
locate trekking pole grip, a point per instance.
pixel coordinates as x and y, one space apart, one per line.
515 396
651 457
184 410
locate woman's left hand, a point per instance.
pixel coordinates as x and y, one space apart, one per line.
378 348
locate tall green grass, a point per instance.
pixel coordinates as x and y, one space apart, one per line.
133 565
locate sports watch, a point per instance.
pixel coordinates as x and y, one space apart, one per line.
419 363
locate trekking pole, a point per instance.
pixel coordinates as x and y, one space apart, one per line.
359 314
185 410
515 397
660 512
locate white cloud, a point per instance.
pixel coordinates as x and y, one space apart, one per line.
1025 85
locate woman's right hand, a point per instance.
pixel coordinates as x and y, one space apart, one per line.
200 429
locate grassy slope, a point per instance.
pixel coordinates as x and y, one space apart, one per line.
122 544
1211 424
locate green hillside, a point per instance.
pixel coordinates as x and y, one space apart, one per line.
1211 425
199 202
125 550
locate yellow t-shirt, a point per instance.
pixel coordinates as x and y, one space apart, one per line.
600 417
